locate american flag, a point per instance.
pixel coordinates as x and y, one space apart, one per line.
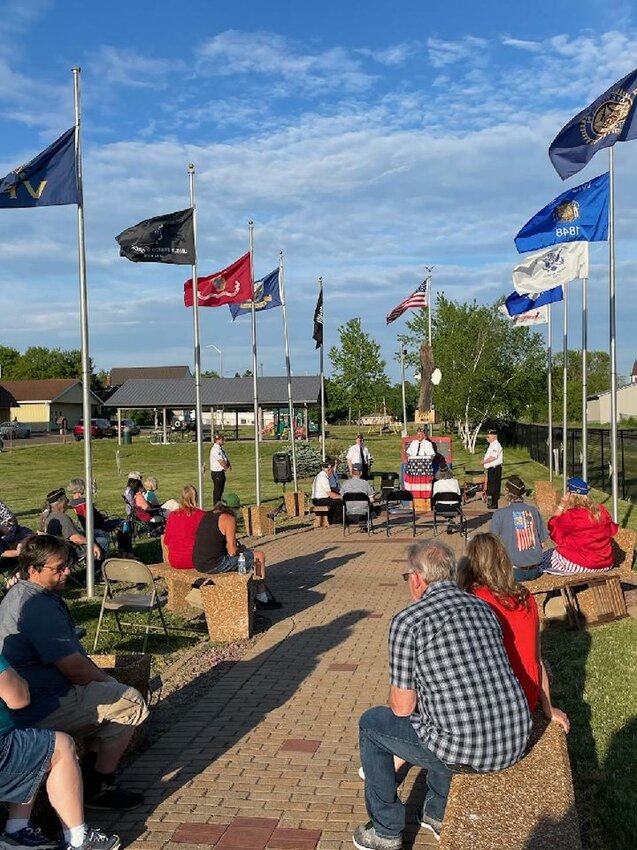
524 530
416 299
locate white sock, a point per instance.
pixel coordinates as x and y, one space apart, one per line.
263 596
16 824
75 835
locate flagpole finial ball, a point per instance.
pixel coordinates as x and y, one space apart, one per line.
191 166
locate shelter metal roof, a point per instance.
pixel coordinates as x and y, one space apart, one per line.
235 393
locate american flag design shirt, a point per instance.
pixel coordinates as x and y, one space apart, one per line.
524 528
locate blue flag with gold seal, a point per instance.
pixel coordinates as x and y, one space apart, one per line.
609 119
49 179
266 296
578 215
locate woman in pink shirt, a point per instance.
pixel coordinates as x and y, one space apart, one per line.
181 529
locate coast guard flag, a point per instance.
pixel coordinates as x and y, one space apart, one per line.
540 316
517 304
266 296
546 269
49 179
577 215
609 119
233 283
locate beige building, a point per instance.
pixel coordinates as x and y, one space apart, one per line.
41 402
598 406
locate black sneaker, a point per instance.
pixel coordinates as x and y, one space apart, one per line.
30 837
270 605
95 839
108 795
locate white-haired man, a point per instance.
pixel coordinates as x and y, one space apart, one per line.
455 704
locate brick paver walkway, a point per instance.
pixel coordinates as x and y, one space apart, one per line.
268 757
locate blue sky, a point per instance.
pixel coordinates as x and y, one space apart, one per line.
366 140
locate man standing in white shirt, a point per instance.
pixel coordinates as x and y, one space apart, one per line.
492 463
219 463
359 453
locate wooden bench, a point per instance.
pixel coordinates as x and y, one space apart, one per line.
530 806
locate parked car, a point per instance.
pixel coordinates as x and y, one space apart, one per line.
15 430
99 428
132 426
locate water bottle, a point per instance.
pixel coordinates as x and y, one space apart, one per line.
242 564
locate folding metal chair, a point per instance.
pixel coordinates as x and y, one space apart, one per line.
129 586
449 507
387 483
395 507
349 519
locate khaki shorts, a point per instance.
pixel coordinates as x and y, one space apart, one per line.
102 710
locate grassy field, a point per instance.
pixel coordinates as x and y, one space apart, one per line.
595 672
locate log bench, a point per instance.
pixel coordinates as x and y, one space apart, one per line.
529 806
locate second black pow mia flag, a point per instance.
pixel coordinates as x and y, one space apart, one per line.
163 239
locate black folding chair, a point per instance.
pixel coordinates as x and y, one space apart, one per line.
355 518
448 507
387 484
395 507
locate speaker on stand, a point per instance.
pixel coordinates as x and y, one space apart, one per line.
282 474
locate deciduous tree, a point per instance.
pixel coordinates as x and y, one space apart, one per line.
357 368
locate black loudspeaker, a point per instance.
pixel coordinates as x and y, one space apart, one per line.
281 468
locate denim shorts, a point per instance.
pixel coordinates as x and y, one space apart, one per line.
25 758
230 563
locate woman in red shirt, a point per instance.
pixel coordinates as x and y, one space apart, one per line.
582 531
181 528
487 572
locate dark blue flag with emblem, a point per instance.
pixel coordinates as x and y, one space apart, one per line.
610 119
49 179
577 215
266 296
516 304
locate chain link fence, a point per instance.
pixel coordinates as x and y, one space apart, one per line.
535 439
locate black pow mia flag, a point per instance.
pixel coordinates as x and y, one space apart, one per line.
163 239
317 335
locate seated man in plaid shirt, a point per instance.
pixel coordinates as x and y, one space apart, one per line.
455 704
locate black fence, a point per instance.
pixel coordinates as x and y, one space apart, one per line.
535 439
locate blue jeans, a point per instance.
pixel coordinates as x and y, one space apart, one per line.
528 574
383 735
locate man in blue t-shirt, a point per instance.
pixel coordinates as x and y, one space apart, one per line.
26 756
69 693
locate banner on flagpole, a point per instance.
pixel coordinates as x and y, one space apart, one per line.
49 179
163 239
537 316
546 269
516 304
418 298
609 119
577 215
266 296
317 334
232 284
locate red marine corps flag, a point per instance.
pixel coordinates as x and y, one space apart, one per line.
228 286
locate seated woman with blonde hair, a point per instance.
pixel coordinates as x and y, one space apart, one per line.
487 572
181 528
582 531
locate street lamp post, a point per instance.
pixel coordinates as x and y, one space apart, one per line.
220 353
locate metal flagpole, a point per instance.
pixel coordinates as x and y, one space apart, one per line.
402 382
584 378
320 281
86 365
565 391
613 334
431 412
549 354
287 366
196 341
254 366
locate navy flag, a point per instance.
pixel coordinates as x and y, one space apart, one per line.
266 296
49 179
610 119
164 239
517 304
577 215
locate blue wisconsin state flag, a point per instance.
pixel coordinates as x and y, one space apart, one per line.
578 215
266 296
609 119
49 179
517 304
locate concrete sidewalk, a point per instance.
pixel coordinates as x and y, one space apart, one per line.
269 756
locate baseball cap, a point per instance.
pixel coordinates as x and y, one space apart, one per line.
357 467
515 486
578 485
55 495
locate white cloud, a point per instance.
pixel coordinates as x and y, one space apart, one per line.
113 65
443 53
392 56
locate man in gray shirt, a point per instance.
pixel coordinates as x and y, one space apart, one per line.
522 529
356 484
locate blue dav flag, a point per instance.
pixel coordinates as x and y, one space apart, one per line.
609 119
578 215
48 180
266 296
517 304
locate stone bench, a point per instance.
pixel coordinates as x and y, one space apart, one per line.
178 582
321 514
529 806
